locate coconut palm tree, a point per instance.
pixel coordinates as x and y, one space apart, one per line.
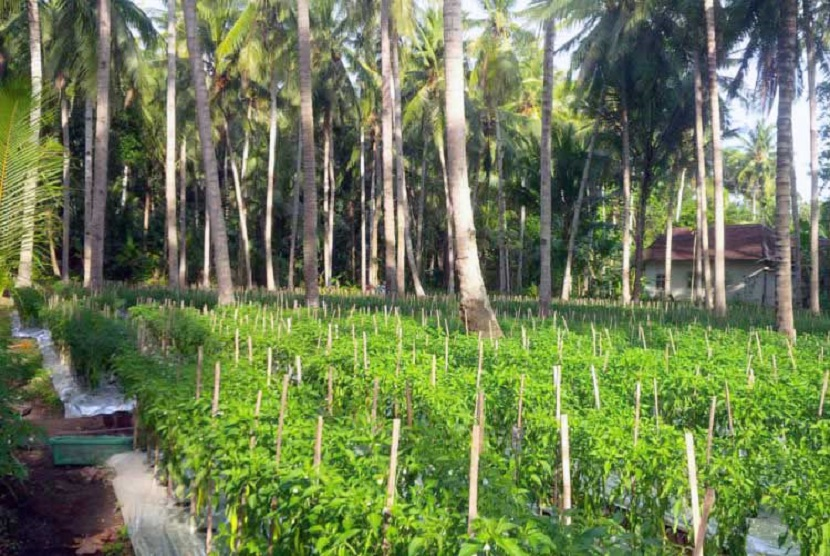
815 210
24 270
170 152
310 270
387 99
786 63
545 282
218 233
753 164
717 160
475 304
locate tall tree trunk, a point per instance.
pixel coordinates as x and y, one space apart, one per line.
327 247
667 260
520 263
504 281
784 160
295 210
102 130
53 254
89 145
405 253
310 269
387 111
626 234
67 192
400 167
270 282
206 260
580 197
27 247
717 162
422 195
815 209
183 213
450 270
363 282
331 198
797 297
640 232
375 209
475 305
243 212
545 283
218 232
700 178
170 151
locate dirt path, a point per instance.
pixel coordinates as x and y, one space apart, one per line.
59 511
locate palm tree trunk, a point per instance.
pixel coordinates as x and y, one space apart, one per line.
27 247
520 263
170 151
270 282
387 132
218 233
784 160
206 260
450 271
327 147
815 209
67 198
504 285
331 198
374 210
183 213
401 212
363 214
475 305
295 210
422 195
639 234
717 161
89 142
102 130
312 293
243 212
583 185
797 297
626 234
700 178
545 283
667 261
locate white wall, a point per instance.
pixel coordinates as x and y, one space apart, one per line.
746 281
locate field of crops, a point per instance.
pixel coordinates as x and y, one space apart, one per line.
280 424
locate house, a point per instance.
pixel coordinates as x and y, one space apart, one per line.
750 263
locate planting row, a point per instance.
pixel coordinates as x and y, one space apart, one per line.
276 423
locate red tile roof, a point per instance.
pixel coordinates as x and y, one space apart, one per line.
744 242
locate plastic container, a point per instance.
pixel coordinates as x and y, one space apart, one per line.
87 450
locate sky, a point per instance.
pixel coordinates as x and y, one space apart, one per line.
742 118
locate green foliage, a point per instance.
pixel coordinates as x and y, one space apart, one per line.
29 303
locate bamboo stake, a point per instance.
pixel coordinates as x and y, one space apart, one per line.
700 533
375 393
318 444
393 465
823 394
256 418
557 384
250 350
692 469
566 467
199 364
286 380
710 434
729 410
656 405
472 503
637 413
236 346
410 418
217 371
521 400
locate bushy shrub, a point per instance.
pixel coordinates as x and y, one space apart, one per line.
29 303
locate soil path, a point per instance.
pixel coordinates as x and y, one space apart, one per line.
64 510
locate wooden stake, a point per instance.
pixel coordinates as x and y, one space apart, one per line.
656 405
692 469
286 380
250 350
596 387
393 465
566 467
700 533
637 413
472 504
521 401
432 377
318 444
710 434
410 418
729 410
236 347
823 394
270 366
557 384
217 371
375 394
256 418
200 356
330 394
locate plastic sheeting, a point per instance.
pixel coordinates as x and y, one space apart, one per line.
156 526
77 401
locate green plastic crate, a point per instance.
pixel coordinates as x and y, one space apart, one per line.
87 450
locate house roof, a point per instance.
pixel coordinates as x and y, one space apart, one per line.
743 242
